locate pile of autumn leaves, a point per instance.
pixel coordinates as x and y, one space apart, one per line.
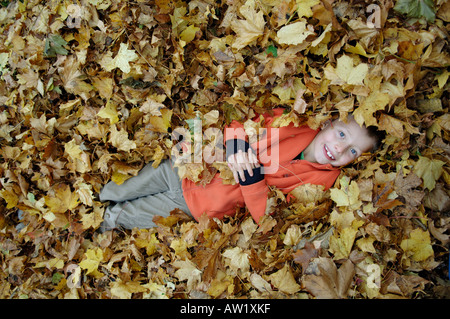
92 95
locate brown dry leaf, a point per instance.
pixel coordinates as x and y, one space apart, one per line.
284 280
119 139
62 199
304 256
251 28
187 271
330 283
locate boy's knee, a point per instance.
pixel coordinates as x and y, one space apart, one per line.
109 220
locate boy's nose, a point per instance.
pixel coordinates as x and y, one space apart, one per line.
339 147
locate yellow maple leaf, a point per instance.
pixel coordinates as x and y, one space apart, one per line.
293 235
220 284
366 244
341 220
119 139
309 193
304 7
80 159
368 106
147 241
294 33
418 245
119 178
284 280
187 271
190 171
153 105
429 170
346 196
189 33
124 290
180 247
345 72
104 85
250 29
124 57
10 197
161 123
62 200
93 219
121 60
341 243
391 125
109 112
155 291
248 228
92 261
237 259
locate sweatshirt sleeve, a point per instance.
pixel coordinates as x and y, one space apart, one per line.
255 191
255 197
254 188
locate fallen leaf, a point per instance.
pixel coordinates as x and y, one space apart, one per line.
368 106
304 7
92 93
250 29
346 196
284 280
259 283
345 72
331 283
121 60
119 139
109 112
189 33
92 260
237 259
416 9
124 290
62 200
294 33
429 170
187 271
418 245
304 256
10 197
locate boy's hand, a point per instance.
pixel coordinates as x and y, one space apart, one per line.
241 161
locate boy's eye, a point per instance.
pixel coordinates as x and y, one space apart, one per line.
341 134
353 151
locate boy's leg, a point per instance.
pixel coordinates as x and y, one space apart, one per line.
148 181
140 212
152 192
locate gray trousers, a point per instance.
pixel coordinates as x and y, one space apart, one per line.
134 203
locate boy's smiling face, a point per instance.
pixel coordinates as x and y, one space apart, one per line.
339 143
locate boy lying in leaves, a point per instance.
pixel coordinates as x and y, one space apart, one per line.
303 156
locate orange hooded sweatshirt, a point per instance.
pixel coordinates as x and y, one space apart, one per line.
217 199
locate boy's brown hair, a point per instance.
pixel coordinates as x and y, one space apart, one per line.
377 135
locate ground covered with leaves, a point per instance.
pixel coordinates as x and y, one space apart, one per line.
91 91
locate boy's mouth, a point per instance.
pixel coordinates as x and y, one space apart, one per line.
328 153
